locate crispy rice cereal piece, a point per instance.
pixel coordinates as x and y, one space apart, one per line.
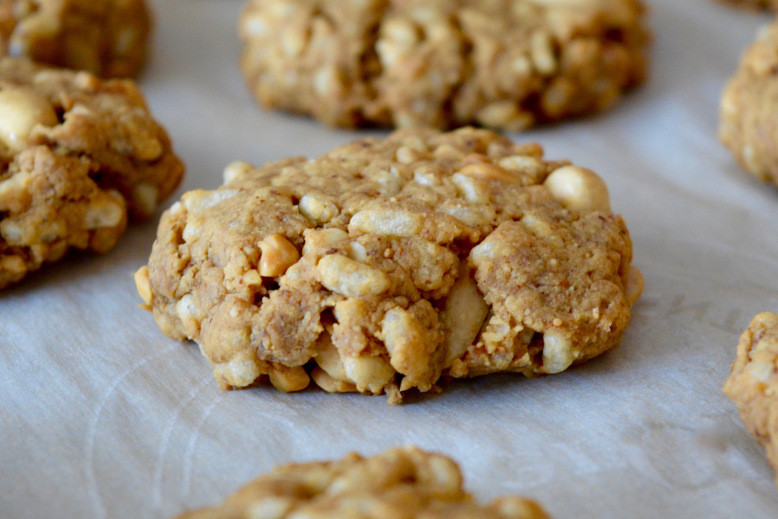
386 263
77 154
505 64
400 483
105 37
753 384
749 108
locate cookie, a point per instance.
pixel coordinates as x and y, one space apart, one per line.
385 264
749 108
505 64
105 37
754 4
753 384
78 155
402 482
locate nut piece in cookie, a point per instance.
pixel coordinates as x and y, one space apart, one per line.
78 155
753 384
505 64
386 264
749 109
105 37
402 482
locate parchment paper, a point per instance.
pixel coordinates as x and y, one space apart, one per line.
103 416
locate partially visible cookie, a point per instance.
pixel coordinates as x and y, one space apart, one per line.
504 64
77 154
385 264
400 483
753 384
749 108
105 37
754 4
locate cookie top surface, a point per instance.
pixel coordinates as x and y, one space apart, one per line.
749 107
753 383
105 37
77 154
389 262
498 63
402 482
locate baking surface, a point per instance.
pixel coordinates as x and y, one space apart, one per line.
103 416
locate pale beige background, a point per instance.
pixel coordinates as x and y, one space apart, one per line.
103 416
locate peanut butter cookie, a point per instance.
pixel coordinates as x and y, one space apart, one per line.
105 37
754 4
504 64
386 263
400 483
749 126
753 384
78 154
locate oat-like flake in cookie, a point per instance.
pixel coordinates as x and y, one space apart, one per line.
753 383
108 38
505 64
400 483
77 155
386 264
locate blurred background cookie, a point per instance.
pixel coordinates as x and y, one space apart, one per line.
753 384
749 108
106 37
753 4
78 156
505 64
400 483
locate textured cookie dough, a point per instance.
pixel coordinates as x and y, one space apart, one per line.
400 483
105 37
753 384
504 64
749 108
77 155
386 263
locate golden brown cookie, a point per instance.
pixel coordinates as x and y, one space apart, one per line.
400 483
504 64
105 37
385 264
753 384
749 108
78 154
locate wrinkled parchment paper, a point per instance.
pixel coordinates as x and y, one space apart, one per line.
103 416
